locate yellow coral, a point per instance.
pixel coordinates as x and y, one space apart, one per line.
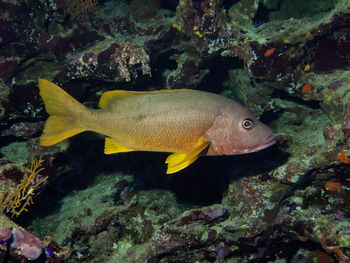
15 201
176 26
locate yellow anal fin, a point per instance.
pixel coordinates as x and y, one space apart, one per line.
112 146
179 161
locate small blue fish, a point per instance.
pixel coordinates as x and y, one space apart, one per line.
50 252
219 41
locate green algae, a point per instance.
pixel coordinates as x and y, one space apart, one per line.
63 220
16 152
130 231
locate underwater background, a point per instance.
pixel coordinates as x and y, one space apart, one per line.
286 61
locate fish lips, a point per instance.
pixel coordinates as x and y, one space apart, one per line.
269 141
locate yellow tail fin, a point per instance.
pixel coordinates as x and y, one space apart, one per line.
63 110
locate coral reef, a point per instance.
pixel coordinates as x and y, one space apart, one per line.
287 61
17 200
23 242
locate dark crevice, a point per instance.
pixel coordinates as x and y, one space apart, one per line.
227 4
164 61
219 68
283 11
169 4
269 116
262 15
285 96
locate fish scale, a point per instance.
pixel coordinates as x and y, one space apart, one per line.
160 129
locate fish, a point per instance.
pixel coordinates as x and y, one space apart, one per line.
269 52
187 123
219 41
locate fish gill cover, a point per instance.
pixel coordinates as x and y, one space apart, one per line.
286 61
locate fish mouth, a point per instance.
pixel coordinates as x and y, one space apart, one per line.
269 141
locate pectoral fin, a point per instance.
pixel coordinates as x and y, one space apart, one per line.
112 146
179 161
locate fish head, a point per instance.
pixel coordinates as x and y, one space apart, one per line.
237 131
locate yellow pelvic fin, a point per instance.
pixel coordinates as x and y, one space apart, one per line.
62 109
179 161
110 96
113 147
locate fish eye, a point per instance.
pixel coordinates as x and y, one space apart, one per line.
247 124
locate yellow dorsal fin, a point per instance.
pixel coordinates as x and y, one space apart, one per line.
110 96
179 161
112 146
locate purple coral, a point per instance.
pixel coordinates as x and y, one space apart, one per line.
212 213
222 251
5 234
7 67
23 242
27 244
